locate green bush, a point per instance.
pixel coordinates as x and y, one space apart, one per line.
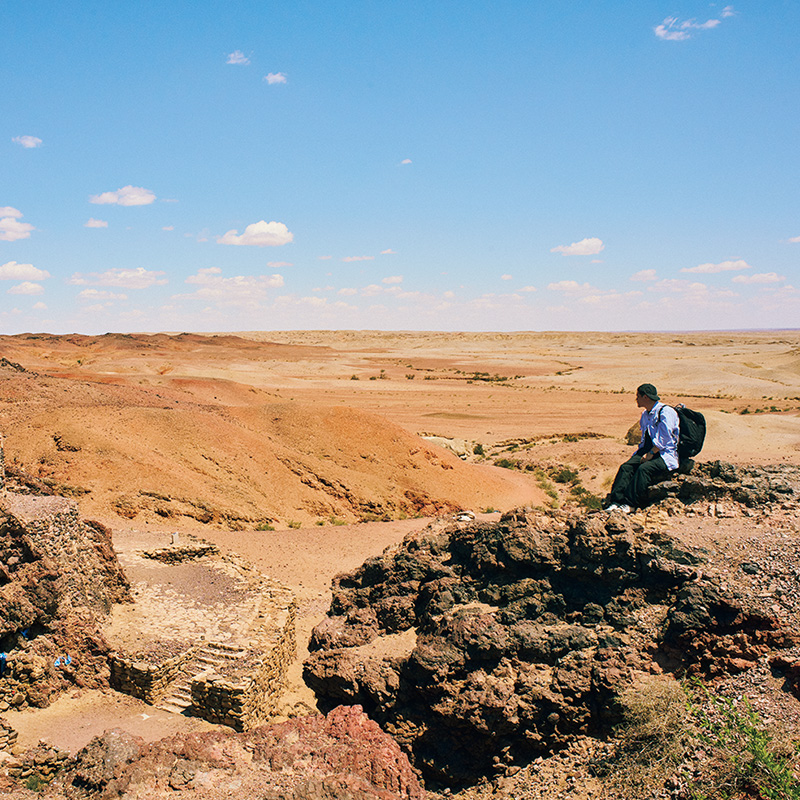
563 474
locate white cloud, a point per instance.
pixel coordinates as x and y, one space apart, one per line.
138 278
677 286
506 277
11 229
28 142
358 258
760 277
26 287
585 247
95 223
275 77
723 266
259 234
325 258
126 196
12 271
675 30
39 306
99 294
389 252
237 57
393 279
528 289
240 290
569 286
347 292
728 11
795 239
168 228
279 264
406 161
644 275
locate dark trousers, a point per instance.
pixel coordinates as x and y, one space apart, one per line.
633 478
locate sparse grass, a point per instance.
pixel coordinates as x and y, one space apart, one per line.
478 450
546 487
369 517
293 524
563 474
746 756
35 783
265 526
337 521
585 498
716 747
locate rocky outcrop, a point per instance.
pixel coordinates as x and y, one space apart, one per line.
344 756
526 630
719 481
58 579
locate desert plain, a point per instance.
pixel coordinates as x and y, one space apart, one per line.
308 451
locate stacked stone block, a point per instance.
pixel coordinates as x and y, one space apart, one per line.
177 555
39 765
147 679
247 692
246 688
8 737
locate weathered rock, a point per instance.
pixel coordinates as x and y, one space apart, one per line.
721 481
344 756
527 631
60 577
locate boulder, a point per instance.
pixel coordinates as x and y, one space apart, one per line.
527 631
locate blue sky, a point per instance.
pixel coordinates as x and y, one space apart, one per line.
510 165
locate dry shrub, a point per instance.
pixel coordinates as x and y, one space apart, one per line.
652 739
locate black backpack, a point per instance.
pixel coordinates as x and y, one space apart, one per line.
692 432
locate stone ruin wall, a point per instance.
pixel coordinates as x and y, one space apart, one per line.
244 693
145 680
245 701
8 737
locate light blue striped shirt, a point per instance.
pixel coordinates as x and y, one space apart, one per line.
662 423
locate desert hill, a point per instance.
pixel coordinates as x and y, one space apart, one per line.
310 426
238 457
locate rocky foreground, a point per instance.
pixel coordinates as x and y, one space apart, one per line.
500 659
527 633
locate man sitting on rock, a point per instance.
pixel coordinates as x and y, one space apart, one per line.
657 452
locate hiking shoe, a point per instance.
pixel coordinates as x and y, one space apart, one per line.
624 509
612 507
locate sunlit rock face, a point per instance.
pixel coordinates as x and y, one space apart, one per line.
482 645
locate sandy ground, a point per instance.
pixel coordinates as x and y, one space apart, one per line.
146 431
